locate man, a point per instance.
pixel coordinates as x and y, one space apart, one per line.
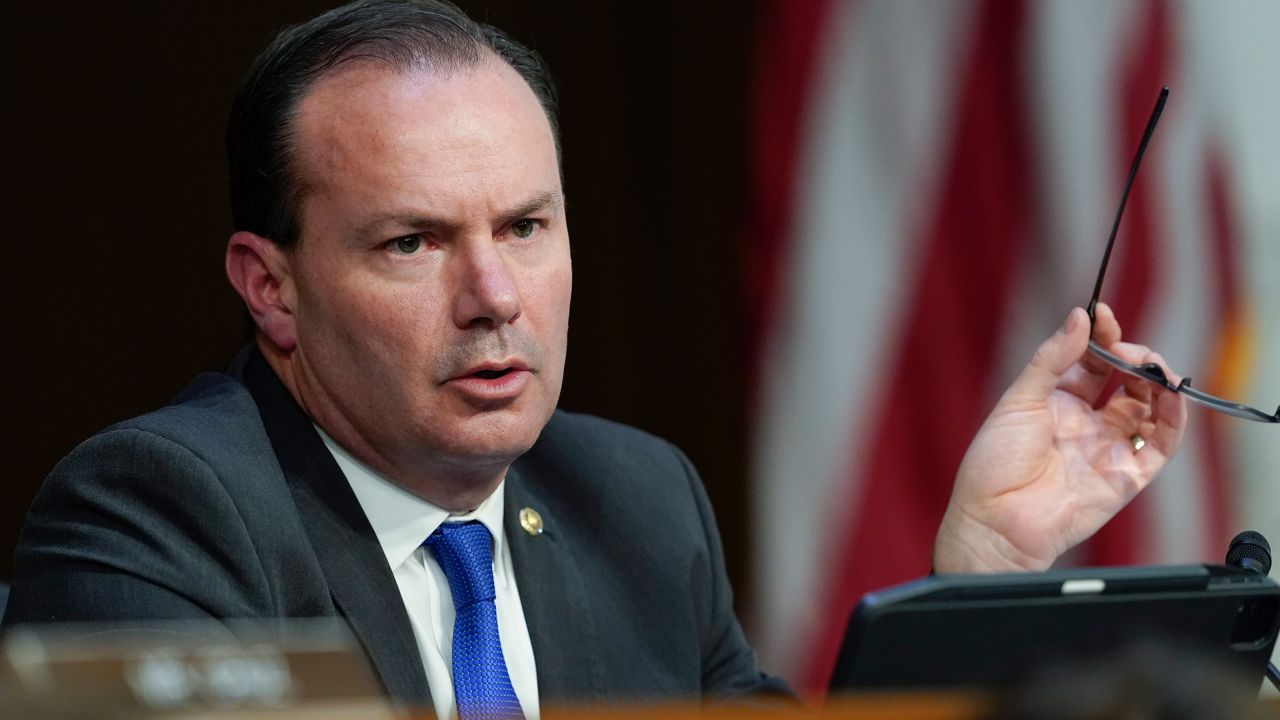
388 449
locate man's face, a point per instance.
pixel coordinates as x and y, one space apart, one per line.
432 277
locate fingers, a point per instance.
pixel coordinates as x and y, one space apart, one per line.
1088 378
1168 414
1106 333
1170 418
1163 432
1126 413
1054 358
1141 355
1062 362
1106 329
1133 391
1144 408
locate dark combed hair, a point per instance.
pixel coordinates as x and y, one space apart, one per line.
266 190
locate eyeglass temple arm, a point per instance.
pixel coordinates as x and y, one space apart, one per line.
1185 384
1124 198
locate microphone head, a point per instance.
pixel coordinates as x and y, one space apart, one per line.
1251 551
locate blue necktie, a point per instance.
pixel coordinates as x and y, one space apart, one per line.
481 684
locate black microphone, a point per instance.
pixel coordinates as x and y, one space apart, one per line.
1250 551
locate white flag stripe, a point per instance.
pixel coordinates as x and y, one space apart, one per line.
863 186
1186 315
1071 57
1240 39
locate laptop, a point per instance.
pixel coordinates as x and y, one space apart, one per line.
988 631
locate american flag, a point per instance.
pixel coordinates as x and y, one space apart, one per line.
934 185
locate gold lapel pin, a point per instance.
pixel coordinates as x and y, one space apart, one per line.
531 521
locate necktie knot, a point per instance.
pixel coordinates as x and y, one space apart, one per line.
465 554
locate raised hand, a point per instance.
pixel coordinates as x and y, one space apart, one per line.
1048 468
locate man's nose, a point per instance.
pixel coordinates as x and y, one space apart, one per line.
488 295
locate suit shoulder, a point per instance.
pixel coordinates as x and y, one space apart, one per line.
210 439
213 417
589 436
564 421
181 512
582 456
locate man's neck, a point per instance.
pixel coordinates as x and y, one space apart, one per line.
455 487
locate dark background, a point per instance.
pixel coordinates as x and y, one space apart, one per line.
115 217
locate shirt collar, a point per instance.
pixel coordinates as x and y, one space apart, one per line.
401 520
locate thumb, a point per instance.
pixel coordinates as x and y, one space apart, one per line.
1053 359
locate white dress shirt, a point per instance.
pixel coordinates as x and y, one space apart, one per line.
402 522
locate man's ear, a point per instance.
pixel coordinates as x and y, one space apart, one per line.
260 271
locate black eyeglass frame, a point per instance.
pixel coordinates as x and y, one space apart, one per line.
1152 372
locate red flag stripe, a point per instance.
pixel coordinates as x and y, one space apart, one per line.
938 388
786 68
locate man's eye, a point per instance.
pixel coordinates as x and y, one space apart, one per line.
524 229
407 245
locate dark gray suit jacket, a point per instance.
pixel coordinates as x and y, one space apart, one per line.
226 504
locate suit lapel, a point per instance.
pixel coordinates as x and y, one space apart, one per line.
353 562
556 606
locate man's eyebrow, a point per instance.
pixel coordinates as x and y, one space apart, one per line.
407 221
542 201
418 222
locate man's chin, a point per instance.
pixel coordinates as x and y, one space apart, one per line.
487 444
457 435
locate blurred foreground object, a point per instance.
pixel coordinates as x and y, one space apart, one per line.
301 669
1146 682
868 706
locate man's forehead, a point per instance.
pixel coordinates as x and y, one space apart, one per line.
372 90
439 144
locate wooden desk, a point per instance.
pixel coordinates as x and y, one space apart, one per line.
888 706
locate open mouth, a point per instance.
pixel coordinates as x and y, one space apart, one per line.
491 374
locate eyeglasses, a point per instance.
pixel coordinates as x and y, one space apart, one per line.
1152 372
